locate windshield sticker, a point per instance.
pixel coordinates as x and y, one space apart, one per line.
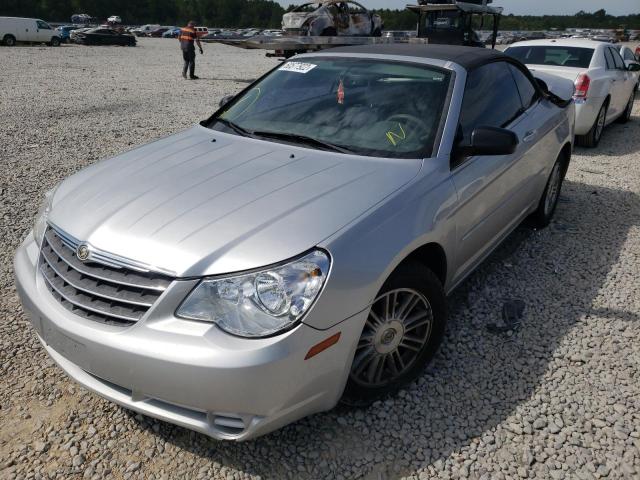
341 93
297 67
394 137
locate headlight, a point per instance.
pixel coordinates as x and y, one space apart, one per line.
43 212
262 303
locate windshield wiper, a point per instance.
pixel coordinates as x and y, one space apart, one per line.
302 139
235 127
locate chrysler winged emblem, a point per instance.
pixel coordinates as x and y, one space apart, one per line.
82 252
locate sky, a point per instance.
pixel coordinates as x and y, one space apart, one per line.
526 7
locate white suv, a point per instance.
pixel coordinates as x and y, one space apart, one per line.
605 86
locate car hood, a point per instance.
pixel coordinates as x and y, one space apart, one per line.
205 203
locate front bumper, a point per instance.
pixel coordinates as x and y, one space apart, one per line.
188 373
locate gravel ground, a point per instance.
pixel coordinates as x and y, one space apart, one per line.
558 397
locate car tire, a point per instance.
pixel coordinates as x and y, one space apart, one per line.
626 116
543 215
387 357
593 137
55 42
377 33
329 32
9 40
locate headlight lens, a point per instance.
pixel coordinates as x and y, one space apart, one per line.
262 303
43 213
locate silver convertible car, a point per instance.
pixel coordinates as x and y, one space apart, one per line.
297 247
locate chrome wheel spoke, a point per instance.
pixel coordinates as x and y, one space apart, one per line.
409 306
416 321
397 363
376 366
374 321
412 343
362 360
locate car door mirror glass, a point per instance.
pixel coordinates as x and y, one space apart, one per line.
225 100
490 141
633 66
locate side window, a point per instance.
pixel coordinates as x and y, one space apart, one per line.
528 92
609 58
617 59
43 25
628 55
491 99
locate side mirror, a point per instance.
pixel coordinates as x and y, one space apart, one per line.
633 66
490 141
226 99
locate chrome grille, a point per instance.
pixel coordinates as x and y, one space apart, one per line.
92 290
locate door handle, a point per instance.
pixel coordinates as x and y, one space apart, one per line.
529 136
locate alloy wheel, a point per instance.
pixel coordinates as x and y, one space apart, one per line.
553 190
602 116
397 329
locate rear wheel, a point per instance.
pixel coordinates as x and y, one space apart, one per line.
402 334
9 40
626 116
593 137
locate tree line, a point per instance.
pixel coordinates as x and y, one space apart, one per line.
266 14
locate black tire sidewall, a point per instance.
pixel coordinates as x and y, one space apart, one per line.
55 42
540 218
415 276
9 41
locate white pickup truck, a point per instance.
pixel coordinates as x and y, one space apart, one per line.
28 30
604 85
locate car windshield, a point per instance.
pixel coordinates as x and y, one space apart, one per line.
554 55
366 107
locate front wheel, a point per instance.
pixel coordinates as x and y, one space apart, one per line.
542 217
626 116
55 42
402 333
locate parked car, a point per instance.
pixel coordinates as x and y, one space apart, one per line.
398 36
27 30
105 36
73 35
605 86
158 32
629 58
114 19
603 38
297 247
332 18
172 33
144 29
82 19
64 32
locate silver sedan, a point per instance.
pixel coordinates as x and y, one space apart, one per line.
296 248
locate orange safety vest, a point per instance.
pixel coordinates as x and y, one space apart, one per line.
187 34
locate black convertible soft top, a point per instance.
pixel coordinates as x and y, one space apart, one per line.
467 57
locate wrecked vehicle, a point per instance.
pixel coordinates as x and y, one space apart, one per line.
332 18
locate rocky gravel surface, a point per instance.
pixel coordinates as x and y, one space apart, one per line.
556 397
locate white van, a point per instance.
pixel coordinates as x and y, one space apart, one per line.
15 29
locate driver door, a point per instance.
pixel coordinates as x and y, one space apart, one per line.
493 196
43 31
359 20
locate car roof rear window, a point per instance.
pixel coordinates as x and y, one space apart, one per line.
552 55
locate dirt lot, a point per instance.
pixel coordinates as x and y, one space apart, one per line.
558 398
